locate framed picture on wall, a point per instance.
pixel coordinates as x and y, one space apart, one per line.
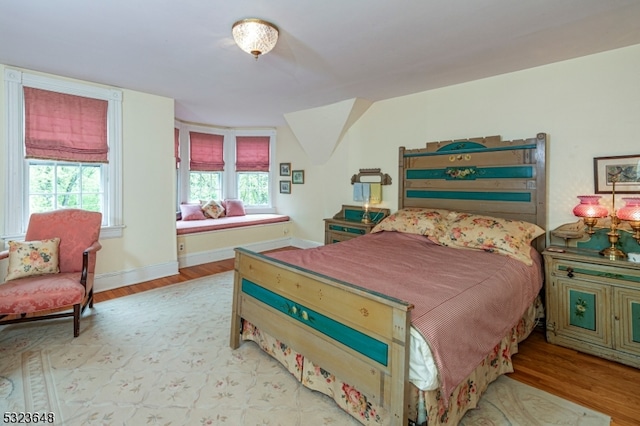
285 169
624 170
297 176
285 187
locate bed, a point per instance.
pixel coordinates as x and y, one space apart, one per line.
344 332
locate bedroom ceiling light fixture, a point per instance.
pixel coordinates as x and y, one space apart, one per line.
255 36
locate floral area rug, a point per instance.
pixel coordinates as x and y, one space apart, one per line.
511 403
162 357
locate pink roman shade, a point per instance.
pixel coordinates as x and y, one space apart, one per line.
176 146
206 152
252 153
65 127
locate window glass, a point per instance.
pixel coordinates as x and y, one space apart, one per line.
54 185
253 188
205 186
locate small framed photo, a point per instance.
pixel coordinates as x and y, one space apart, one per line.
285 187
297 176
624 170
285 169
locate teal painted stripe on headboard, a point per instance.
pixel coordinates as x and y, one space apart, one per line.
512 172
470 195
354 339
460 145
468 151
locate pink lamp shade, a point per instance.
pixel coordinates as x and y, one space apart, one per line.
590 207
631 210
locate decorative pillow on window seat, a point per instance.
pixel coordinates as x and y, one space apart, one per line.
31 258
234 208
192 212
213 209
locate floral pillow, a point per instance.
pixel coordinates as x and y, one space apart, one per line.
421 221
508 237
33 258
192 212
213 209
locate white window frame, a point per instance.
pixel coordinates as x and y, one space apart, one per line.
16 206
229 180
233 185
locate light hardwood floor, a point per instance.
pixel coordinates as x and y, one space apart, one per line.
605 386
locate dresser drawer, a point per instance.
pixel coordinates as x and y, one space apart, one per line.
599 273
336 237
347 229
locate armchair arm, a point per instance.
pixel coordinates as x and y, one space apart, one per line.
93 248
4 254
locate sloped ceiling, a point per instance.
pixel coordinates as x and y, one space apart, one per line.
320 130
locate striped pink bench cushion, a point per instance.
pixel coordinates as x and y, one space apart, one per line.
194 226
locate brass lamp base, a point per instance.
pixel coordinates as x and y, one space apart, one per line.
613 253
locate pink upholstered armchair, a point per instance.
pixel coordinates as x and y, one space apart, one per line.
51 294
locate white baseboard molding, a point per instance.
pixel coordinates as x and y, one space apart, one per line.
109 281
297 242
113 280
228 253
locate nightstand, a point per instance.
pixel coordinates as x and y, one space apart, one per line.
593 303
347 223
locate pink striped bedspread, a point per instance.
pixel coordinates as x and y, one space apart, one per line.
465 300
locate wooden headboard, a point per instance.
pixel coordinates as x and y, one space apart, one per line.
479 175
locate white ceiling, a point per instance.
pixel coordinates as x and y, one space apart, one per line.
328 50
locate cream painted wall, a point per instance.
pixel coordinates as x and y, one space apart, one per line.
148 192
589 106
316 199
142 252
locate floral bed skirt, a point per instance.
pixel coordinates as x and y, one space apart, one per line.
425 407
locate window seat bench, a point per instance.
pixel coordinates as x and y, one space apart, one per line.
197 226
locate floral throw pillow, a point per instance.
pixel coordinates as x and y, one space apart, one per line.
33 258
419 221
508 237
213 209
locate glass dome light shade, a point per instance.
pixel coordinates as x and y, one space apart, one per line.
631 210
590 207
255 36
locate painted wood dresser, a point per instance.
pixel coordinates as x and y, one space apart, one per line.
593 303
348 224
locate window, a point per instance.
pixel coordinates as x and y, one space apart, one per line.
63 134
206 164
209 176
252 169
51 164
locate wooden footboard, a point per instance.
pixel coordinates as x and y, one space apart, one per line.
360 336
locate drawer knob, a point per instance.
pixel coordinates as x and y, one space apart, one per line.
570 272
